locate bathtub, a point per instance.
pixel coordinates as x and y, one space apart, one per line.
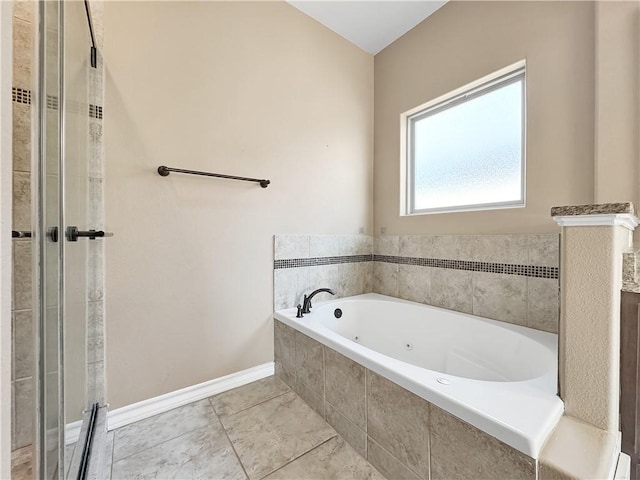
500 378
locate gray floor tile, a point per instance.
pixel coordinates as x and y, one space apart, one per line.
106 462
241 398
202 454
271 434
151 431
335 460
24 471
22 463
69 451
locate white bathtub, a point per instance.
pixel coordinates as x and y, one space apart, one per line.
499 377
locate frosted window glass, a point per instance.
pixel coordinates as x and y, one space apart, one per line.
470 154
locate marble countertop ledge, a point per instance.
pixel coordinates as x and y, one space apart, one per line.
630 287
594 209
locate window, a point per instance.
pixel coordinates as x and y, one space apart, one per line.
466 150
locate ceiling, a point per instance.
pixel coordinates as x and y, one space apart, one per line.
371 25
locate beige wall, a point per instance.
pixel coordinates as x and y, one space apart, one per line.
464 41
255 89
617 96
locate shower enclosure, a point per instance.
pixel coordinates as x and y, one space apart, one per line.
66 183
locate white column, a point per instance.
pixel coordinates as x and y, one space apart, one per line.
589 333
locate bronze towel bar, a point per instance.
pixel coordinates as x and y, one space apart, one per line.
164 171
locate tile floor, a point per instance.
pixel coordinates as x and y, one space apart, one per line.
21 464
260 430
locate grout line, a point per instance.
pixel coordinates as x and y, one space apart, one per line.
526 301
324 384
202 427
303 454
233 447
259 403
473 294
113 449
366 413
349 421
396 459
154 445
13 347
429 439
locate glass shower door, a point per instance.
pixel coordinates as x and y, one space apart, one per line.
76 200
63 119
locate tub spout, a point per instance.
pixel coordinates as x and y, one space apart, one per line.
306 304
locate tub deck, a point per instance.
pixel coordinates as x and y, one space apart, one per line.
519 413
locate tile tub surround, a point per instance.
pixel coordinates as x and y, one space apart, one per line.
399 433
305 262
511 278
260 430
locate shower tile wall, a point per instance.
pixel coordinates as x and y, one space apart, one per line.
512 278
96 213
22 319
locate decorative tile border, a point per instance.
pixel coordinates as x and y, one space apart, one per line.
318 261
24 96
21 95
52 102
95 111
487 267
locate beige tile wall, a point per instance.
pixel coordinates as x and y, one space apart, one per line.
96 213
529 301
22 319
402 435
347 279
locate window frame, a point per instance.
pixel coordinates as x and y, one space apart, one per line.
487 84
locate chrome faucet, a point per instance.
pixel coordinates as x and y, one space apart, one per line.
306 304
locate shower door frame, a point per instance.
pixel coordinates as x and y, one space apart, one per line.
41 225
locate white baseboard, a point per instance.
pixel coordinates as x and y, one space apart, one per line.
153 406
623 467
72 432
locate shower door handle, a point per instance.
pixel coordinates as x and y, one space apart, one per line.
73 234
